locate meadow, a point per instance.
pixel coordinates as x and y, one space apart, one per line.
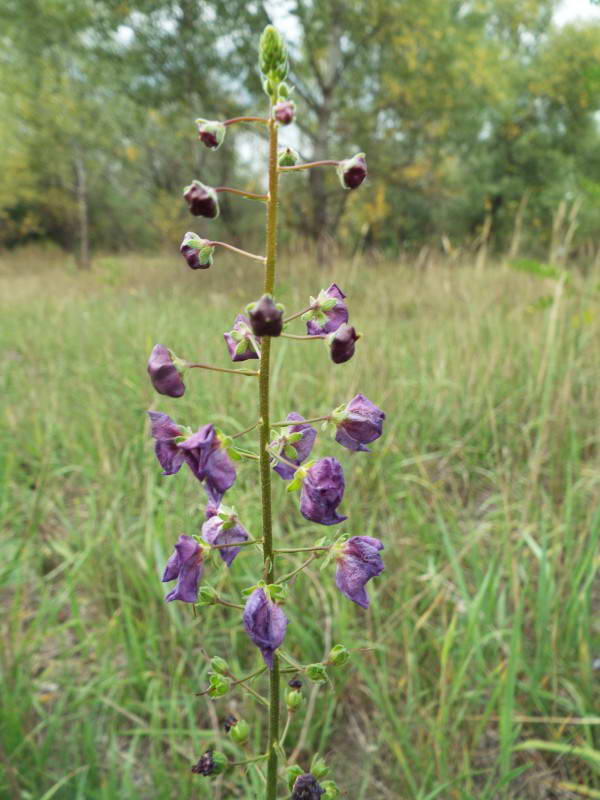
473 672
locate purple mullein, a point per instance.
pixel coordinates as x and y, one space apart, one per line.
265 623
266 318
341 343
197 252
298 449
239 340
211 133
307 787
358 423
164 374
186 566
328 311
220 531
353 171
322 492
202 200
358 561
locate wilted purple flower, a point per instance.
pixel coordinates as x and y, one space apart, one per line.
359 423
164 375
197 252
353 171
306 787
209 462
265 623
322 492
202 200
185 565
210 763
266 319
165 432
211 132
216 533
239 340
341 343
334 317
302 447
284 111
358 561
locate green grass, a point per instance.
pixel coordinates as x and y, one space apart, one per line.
472 673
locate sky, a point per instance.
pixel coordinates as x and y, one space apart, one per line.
570 10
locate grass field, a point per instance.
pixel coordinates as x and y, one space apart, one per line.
473 675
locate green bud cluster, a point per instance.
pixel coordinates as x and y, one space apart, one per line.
240 732
273 62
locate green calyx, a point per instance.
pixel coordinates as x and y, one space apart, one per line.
219 665
219 763
299 476
218 685
207 596
272 55
318 767
332 790
293 700
240 732
291 774
338 656
316 673
288 157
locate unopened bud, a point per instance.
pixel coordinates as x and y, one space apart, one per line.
292 773
316 673
272 56
284 112
341 343
218 686
219 665
306 787
202 200
206 596
266 319
210 763
352 171
293 700
197 252
211 133
338 656
288 157
164 371
240 732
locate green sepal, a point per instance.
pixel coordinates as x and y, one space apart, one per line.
316 673
332 790
219 665
277 592
289 451
207 596
218 685
338 655
220 762
296 483
293 699
249 589
279 750
294 437
240 731
330 303
291 774
318 767
243 346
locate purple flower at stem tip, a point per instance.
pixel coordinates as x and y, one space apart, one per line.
359 423
322 492
165 376
265 623
216 534
327 321
302 447
186 566
358 561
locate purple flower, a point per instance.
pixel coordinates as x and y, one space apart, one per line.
358 561
284 112
202 200
185 565
266 319
164 375
327 320
341 343
301 447
239 340
322 492
211 133
353 171
265 624
306 787
201 451
197 252
209 462
216 532
359 423
165 432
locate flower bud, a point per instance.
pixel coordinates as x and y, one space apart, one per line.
338 656
210 763
207 596
240 732
164 374
197 252
219 665
352 171
272 56
341 343
266 319
288 157
332 790
202 200
293 700
211 133
306 787
218 685
292 773
284 112
316 673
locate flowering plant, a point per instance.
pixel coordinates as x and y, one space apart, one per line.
285 448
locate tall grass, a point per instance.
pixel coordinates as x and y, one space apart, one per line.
472 675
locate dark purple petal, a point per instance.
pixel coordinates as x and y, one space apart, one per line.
202 200
353 171
302 447
306 787
213 532
284 112
186 565
265 624
265 318
363 424
357 563
242 325
322 492
208 462
342 344
164 375
335 316
164 431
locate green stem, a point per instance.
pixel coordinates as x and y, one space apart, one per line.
297 314
245 431
303 338
302 566
302 549
242 193
233 249
309 165
251 372
289 422
265 466
233 120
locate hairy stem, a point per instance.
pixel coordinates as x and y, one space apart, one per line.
236 250
310 165
233 120
250 372
287 423
248 195
265 467
306 338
